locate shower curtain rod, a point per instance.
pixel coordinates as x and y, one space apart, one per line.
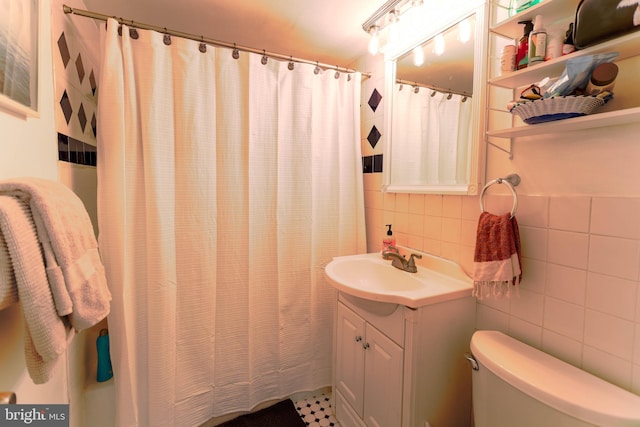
414 84
202 39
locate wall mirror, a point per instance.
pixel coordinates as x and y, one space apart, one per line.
434 116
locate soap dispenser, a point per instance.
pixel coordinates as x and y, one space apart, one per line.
522 55
389 240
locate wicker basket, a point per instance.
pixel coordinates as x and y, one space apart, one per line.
558 108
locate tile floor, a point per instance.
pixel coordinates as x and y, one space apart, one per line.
316 411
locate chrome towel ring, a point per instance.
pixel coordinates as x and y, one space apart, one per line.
510 181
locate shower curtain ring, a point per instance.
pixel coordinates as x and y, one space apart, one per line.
203 46
236 52
317 69
291 65
337 74
264 57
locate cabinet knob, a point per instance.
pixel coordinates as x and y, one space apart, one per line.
358 338
365 345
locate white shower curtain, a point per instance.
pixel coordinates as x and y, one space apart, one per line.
224 187
431 131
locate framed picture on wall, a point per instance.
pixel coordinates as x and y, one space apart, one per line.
19 57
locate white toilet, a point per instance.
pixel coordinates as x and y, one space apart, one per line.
517 385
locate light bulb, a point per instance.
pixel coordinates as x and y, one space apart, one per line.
394 17
416 14
464 29
418 56
374 41
439 49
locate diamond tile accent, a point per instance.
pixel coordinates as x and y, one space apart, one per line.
82 117
92 82
94 123
374 100
80 68
65 103
374 136
64 50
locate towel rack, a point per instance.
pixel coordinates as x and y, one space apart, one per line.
511 181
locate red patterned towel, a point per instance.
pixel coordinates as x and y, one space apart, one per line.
496 266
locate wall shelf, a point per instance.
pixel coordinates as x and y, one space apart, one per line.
627 46
510 27
611 118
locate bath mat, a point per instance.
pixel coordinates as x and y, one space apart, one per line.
282 414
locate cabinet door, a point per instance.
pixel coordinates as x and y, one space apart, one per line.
383 380
350 358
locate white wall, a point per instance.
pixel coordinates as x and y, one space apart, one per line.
28 148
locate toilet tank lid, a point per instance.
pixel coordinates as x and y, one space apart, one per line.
555 383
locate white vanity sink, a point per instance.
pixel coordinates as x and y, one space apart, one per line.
370 277
400 338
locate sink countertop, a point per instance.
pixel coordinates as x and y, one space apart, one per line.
371 277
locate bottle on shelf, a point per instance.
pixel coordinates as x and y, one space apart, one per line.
537 42
522 55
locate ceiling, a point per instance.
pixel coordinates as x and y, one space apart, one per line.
327 31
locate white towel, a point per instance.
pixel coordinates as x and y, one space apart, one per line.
73 265
8 287
47 334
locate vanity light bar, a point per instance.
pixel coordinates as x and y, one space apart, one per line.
382 12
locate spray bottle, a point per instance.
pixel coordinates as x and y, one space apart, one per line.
522 55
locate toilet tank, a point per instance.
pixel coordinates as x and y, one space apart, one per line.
518 385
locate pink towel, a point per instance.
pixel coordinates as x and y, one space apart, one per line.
497 261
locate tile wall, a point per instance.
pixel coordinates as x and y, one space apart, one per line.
76 91
579 299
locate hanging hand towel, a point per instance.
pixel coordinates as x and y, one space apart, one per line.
8 287
74 268
47 335
497 265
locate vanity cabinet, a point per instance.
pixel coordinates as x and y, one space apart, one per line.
503 87
368 371
397 366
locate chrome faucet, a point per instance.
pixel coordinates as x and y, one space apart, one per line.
399 261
